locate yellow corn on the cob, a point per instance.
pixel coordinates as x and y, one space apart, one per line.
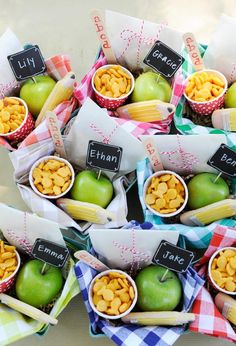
161 318
27 309
210 213
226 305
85 211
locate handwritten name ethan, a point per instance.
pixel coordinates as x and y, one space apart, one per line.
46 250
97 154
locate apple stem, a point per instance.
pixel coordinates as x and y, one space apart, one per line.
34 80
99 174
44 267
217 177
164 275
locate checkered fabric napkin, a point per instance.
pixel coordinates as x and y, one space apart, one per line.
23 159
208 319
132 335
185 125
15 326
57 66
137 128
195 236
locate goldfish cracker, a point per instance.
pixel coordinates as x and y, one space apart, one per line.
116 291
52 177
223 270
8 260
112 82
12 115
165 194
204 86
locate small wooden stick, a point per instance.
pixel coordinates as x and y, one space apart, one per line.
96 16
217 177
193 51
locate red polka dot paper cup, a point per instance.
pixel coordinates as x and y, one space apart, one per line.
107 101
7 283
207 107
24 129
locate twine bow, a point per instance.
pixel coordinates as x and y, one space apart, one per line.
23 240
188 160
137 255
106 138
128 36
5 88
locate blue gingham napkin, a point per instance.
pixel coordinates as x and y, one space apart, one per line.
195 236
134 335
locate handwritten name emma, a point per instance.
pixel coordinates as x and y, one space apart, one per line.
46 250
174 258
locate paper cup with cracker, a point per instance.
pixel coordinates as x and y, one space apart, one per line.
9 266
165 193
51 177
112 294
16 122
112 84
222 270
205 91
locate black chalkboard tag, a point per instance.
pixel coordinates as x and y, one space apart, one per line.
104 156
50 252
27 63
163 59
224 160
173 257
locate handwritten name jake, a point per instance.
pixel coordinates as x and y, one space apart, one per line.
175 258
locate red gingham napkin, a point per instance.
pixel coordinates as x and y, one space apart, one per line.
63 112
57 66
137 128
208 319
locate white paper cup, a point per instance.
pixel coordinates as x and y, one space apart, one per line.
131 281
45 159
213 283
148 183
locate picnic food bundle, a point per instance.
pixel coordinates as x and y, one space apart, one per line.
79 154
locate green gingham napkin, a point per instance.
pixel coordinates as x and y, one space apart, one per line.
195 237
186 126
15 326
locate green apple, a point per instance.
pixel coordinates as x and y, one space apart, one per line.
36 288
156 291
88 188
35 94
230 96
151 86
204 190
